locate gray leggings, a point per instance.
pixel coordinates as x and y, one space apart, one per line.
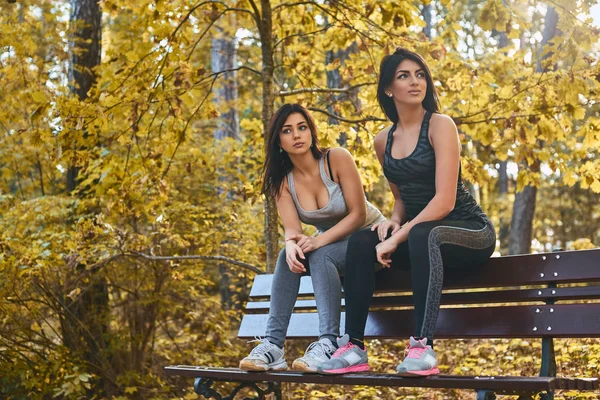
325 266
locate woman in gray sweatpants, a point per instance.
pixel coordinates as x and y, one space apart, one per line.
321 188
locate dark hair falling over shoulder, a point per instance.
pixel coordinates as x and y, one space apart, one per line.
387 72
277 163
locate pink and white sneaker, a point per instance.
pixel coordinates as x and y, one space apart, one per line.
420 360
347 358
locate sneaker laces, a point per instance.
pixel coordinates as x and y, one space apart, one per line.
343 349
318 349
263 347
414 352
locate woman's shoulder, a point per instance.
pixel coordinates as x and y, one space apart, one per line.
381 138
285 187
383 133
339 153
439 120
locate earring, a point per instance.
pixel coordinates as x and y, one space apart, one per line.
389 94
280 150
312 145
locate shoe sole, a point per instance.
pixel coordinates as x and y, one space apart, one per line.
251 366
354 368
416 374
302 366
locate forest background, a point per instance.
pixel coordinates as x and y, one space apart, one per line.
131 147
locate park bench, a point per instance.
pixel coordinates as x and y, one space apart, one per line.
541 296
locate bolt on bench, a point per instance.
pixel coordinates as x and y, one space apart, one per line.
526 296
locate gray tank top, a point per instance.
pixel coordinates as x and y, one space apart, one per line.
326 217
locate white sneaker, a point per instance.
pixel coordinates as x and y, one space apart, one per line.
316 354
266 356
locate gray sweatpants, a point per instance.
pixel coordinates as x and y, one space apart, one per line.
325 266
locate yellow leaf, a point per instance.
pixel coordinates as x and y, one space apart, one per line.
506 91
579 113
74 293
130 390
39 97
595 186
570 178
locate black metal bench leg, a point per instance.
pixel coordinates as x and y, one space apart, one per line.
276 389
548 367
486 395
547 396
203 387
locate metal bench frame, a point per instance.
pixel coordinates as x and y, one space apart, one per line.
529 296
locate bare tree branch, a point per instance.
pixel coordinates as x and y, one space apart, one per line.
558 107
212 23
130 73
301 35
567 11
182 135
208 258
350 121
324 90
257 16
299 3
347 23
224 71
195 7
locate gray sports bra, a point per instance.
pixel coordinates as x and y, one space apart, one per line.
335 210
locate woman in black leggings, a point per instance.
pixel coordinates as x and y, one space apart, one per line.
435 223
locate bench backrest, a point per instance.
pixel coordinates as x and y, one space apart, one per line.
547 294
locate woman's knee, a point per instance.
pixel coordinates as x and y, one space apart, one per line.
320 260
361 241
282 265
281 257
421 231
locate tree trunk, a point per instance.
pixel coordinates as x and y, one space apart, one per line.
502 193
550 29
426 13
86 30
504 228
85 325
524 206
334 80
223 57
522 221
85 322
266 39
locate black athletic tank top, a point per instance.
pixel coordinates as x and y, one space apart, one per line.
415 177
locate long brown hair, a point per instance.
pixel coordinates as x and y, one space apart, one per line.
277 163
387 72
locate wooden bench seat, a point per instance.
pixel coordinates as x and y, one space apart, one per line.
545 296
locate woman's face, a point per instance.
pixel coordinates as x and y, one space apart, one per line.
409 84
295 135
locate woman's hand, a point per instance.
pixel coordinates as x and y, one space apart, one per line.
292 253
307 243
384 252
384 227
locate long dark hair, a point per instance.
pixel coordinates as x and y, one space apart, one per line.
277 163
387 73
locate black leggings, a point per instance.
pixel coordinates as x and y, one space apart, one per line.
430 247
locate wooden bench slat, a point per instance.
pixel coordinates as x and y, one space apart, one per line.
484 297
500 272
503 282
564 320
502 384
